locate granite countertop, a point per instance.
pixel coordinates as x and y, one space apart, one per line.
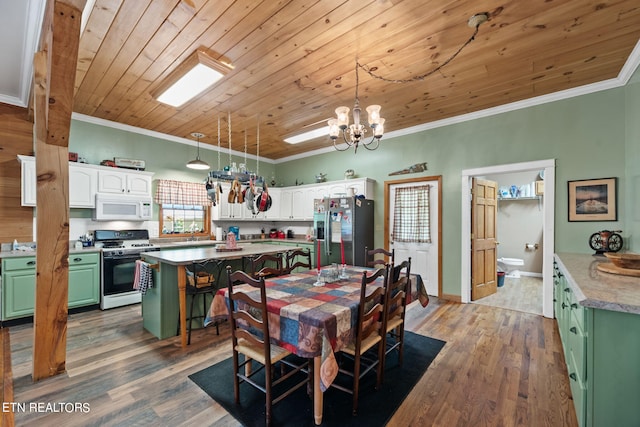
596 289
175 256
72 250
158 243
162 243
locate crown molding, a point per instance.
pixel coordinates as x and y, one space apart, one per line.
163 136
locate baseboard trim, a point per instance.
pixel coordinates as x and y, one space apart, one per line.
451 297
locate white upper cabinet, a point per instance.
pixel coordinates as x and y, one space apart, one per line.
83 184
85 180
225 210
116 181
274 212
359 186
28 170
294 205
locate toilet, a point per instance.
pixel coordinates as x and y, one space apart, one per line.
510 266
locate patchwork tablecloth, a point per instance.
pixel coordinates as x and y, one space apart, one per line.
307 320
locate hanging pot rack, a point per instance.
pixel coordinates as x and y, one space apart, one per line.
225 174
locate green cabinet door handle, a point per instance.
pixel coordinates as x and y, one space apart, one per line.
574 330
573 376
31 263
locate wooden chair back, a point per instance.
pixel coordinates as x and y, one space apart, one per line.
298 258
370 259
248 312
370 312
395 306
249 320
396 291
267 265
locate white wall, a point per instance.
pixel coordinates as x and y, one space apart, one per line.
520 223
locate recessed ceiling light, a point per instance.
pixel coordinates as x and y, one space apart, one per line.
196 74
306 136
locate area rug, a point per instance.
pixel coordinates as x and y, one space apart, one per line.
375 408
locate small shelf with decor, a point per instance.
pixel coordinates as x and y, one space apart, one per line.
522 199
508 199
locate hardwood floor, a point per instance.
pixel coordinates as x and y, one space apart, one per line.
498 368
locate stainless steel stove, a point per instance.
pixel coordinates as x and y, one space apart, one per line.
120 250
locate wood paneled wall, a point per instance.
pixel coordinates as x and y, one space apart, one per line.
16 137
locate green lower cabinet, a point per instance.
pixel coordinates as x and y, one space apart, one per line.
613 369
18 293
602 353
84 280
19 284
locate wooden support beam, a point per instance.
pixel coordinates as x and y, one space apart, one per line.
55 68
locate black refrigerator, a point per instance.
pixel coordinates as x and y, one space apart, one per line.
343 227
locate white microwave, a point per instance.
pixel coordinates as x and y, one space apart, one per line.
122 207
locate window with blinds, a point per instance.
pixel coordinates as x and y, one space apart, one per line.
411 215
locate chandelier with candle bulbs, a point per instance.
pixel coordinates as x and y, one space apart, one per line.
354 135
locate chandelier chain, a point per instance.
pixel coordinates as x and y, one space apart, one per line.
219 151
258 148
245 146
229 133
369 71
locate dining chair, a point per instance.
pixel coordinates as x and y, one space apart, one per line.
370 259
200 283
368 334
266 265
395 294
297 258
250 337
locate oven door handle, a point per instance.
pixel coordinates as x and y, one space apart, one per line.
121 257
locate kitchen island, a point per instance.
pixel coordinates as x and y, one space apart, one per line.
167 299
598 316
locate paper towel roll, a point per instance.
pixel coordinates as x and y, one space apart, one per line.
218 233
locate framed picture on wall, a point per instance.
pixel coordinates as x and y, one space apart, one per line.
593 200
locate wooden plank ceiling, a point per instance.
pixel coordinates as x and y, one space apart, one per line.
294 61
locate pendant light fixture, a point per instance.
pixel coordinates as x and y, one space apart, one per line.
197 163
353 135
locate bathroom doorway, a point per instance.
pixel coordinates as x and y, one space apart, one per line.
532 291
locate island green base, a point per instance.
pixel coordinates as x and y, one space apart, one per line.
160 304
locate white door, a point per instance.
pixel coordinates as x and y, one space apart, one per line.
424 256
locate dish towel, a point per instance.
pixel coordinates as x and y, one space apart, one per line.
143 278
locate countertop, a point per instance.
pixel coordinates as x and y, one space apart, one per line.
72 250
187 256
596 289
158 243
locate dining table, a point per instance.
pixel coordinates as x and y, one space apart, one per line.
313 318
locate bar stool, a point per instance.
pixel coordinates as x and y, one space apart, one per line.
200 283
